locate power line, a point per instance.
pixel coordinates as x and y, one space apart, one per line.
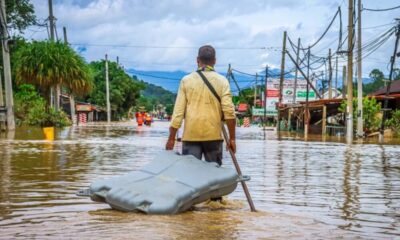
172 47
381 10
153 76
338 12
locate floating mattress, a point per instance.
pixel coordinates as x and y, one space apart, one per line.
169 184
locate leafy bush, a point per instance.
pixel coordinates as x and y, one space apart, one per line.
394 122
30 109
371 113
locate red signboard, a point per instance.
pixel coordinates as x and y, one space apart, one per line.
242 107
272 93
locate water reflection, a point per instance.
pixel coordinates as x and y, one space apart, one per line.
303 189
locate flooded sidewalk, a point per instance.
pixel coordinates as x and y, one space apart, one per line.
303 190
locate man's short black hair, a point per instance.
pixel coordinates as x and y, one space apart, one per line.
206 54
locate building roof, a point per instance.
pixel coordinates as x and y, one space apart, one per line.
394 88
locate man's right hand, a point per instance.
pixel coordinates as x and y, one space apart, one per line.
231 145
170 144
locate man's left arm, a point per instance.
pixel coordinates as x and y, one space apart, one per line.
228 110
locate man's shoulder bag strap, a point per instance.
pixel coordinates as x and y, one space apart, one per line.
212 89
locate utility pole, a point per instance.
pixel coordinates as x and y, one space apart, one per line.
360 130
55 101
71 95
336 76
1 92
282 78
255 92
306 111
65 35
344 83
349 135
7 69
108 93
385 104
51 20
296 73
330 75
265 100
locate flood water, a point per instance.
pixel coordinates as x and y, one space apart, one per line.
303 190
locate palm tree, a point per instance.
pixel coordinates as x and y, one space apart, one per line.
47 64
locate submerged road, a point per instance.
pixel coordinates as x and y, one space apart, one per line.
311 189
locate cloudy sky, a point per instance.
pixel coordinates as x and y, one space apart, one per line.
165 34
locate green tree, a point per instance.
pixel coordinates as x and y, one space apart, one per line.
20 14
45 64
377 82
124 90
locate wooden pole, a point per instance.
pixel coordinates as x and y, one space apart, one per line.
336 75
1 91
255 92
330 75
282 78
239 172
107 92
360 130
324 120
349 135
306 110
55 100
71 95
297 72
344 83
385 103
7 69
265 100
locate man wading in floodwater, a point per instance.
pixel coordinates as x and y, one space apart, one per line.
203 112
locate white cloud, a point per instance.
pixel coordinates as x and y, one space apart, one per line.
235 23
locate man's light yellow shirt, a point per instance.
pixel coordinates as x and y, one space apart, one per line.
200 109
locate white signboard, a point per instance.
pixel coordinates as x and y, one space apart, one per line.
288 90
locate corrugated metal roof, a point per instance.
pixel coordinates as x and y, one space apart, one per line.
394 88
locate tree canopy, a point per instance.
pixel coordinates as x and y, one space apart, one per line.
46 64
20 14
124 90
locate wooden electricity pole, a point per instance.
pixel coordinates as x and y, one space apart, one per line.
7 69
306 110
385 104
265 101
255 92
360 130
349 135
282 78
55 101
344 83
1 92
330 75
296 73
336 76
71 95
108 93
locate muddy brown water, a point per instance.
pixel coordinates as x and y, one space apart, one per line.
302 189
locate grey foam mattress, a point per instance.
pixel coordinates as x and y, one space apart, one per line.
169 184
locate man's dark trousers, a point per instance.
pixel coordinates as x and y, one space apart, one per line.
212 150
